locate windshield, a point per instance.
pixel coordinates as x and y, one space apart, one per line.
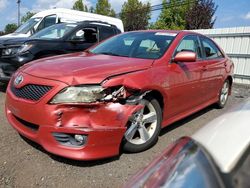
27 26
145 45
55 31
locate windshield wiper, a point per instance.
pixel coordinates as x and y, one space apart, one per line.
109 53
113 54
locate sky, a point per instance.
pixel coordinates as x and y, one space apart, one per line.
230 13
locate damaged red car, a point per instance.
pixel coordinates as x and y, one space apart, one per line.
118 94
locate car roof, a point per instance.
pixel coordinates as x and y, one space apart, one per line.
227 138
75 15
183 32
90 22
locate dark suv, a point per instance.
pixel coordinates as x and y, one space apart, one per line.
55 40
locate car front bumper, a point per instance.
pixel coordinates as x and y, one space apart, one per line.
103 124
101 142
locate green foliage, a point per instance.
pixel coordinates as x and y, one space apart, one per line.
135 15
103 7
92 10
1 33
27 16
173 15
186 14
79 5
10 28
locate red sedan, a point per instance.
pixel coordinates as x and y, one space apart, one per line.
119 94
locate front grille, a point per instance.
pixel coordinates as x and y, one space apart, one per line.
30 91
27 124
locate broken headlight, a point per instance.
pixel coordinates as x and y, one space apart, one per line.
79 94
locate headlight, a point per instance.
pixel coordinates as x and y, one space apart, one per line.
16 49
79 94
10 51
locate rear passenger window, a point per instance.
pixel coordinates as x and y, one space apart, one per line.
49 20
190 43
106 32
46 22
211 51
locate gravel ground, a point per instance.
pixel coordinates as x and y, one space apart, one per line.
25 164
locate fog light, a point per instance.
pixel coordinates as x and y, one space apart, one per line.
80 138
72 140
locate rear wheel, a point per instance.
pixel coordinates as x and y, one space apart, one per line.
224 93
144 127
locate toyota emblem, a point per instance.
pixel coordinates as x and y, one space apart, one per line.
18 80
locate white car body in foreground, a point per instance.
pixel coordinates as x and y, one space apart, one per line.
226 138
216 156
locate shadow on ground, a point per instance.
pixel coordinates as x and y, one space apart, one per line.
70 161
179 123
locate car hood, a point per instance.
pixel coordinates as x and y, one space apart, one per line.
12 41
14 35
84 68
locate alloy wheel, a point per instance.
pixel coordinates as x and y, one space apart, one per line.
224 93
142 125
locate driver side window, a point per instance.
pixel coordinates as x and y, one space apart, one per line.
189 43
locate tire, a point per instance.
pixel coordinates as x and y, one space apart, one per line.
135 138
223 96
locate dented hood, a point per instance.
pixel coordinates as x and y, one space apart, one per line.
84 68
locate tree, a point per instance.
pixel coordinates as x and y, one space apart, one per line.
27 16
200 15
173 15
10 28
1 33
103 7
79 5
91 9
135 15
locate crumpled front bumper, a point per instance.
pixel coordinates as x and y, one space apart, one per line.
101 142
104 124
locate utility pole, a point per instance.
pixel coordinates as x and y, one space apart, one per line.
18 4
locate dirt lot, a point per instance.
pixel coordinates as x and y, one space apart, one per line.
24 164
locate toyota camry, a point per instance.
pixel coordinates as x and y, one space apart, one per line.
118 94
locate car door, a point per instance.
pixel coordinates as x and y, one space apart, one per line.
185 79
215 68
82 39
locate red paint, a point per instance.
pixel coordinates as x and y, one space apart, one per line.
185 57
185 90
156 173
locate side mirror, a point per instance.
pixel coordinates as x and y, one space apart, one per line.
185 56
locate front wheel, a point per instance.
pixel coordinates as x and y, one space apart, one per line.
144 127
224 93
